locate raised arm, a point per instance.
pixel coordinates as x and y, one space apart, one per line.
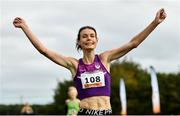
135 41
67 62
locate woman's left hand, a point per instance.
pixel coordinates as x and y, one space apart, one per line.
160 16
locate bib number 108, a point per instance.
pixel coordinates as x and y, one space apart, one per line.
93 79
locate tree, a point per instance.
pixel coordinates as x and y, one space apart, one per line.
61 96
138 92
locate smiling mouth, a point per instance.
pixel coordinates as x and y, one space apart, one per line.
89 43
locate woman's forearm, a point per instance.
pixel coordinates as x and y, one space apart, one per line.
143 35
33 39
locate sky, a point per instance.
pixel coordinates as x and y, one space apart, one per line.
27 76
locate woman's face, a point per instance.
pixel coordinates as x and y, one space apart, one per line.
88 39
72 92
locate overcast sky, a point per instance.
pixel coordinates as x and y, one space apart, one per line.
27 76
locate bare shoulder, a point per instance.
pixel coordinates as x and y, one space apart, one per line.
73 60
78 101
73 65
104 56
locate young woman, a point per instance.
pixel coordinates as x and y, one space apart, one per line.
91 72
72 103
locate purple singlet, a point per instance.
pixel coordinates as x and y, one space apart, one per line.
92 79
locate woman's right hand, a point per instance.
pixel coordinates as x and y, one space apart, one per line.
19 22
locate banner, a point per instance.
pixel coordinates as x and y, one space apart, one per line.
155 91
122 92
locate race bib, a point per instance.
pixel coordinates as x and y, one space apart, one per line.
91 80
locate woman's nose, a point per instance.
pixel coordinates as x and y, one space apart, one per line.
88 38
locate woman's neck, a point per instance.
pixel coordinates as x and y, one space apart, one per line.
72 99
88 57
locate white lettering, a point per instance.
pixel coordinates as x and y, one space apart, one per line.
81 110
110 111
95 112
100 112
88 111
106 111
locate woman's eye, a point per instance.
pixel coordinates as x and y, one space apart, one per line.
92 35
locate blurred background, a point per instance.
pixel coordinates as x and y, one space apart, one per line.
28 77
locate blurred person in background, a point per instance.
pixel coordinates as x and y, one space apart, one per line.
73 102
27 110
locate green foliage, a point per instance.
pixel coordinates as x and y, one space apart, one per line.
169 86
61 96
138 93
10 109
138 87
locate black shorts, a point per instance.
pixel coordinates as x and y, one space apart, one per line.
83 111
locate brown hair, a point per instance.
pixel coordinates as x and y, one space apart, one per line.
78 47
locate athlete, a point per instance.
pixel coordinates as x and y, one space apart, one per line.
72 103
91 73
